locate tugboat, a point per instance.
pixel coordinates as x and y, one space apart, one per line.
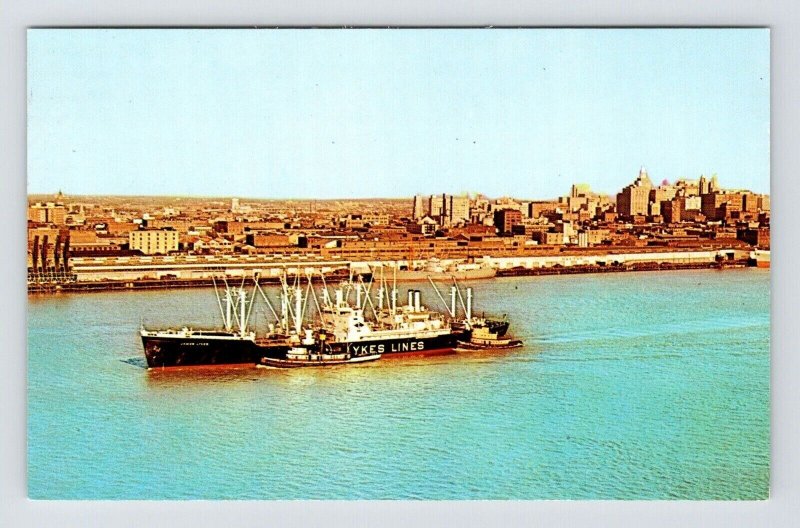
486 335
477 332
302 357
314 353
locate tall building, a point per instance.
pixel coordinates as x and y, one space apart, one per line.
713 185
692 203
658 195
439 208
538 209
635 198
234 205
580 189
153 241
47 213
505 219
459 209
481 204
672 210
750 202
37 213
713 202
418 208
435 206
704 184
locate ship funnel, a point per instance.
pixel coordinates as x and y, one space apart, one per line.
410 299
416 301
469 303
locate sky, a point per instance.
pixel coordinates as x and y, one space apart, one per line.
344 113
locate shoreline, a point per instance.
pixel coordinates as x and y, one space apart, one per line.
177 284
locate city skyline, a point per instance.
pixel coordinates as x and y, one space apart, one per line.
472 194
331 114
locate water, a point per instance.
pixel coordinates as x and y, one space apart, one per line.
630 386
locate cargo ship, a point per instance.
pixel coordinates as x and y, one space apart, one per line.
341 332
392 331
185 347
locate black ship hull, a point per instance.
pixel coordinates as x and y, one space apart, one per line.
177 351
180 351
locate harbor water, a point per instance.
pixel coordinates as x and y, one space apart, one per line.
629 386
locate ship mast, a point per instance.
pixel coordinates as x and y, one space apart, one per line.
284 304
242 310
394 290
298 310
381 289
219 303
452 309
269 304
228 308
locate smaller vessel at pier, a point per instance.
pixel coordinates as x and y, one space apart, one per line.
436 270
760 258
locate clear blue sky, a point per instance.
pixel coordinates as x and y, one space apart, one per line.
390 113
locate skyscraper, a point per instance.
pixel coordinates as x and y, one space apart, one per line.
418 209
435 206
505 219
459 209
703 184
634 199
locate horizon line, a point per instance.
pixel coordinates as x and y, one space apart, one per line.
243 197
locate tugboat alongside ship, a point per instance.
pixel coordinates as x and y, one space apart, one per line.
343 332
